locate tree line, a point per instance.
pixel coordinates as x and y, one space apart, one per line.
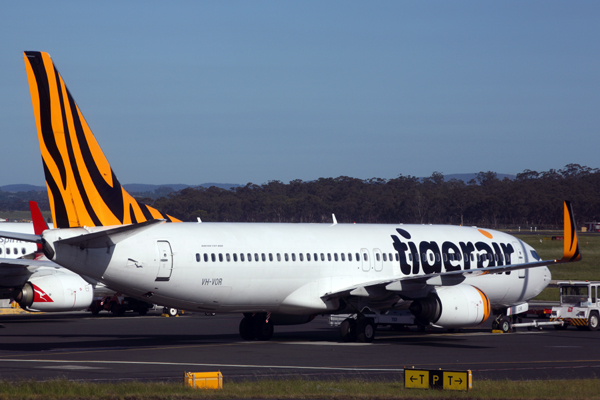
532 199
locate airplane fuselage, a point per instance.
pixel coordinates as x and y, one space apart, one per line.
291 268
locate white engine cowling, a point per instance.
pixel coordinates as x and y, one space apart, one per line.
452 307
56 292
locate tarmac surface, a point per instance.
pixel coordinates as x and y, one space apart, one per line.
79 346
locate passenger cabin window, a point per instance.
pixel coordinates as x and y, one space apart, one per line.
7 250
293 256
307 256
256 257
220 257
335 256
285 256
328 256
365 257
342 255
278 257
22 250
301 256
377 256
198 257
384 257
235 257
213 257
349 256
241 256
270 256
249 257
227 257
357 257
205 257
322 257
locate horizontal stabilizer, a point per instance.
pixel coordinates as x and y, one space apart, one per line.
25 263
108 237
24 237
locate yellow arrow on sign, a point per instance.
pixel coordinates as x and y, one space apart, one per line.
416 379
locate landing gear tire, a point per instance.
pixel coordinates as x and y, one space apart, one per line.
348 330
95 309
365 330
593 321
247 328
263 330
115 309
171 312
504 324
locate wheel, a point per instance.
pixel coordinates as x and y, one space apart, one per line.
247 328
115 309
365 330
348 330
593 321
262 330
172 312
504 324
95 309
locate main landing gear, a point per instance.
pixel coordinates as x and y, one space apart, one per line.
256 326
361 329
502 323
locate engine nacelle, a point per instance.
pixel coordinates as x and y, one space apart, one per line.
56 292
452 307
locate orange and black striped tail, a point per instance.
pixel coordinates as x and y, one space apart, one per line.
82 188
571 243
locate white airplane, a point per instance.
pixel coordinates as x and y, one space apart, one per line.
452 276
34 282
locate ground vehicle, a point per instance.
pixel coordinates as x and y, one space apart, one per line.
579 305
118 304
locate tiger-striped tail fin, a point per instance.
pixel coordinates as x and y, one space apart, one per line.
82 187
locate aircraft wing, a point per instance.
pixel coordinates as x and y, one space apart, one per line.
449 278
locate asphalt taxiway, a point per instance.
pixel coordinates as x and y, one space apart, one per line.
79 346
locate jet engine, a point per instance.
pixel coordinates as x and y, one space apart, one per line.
56 292
452 307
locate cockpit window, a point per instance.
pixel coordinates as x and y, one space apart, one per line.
535 255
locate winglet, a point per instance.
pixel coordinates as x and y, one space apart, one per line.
571 249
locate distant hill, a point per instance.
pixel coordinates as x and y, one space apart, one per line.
135 188
142 187
22 188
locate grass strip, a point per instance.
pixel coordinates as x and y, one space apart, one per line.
297 389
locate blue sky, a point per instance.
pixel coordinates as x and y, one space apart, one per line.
238 92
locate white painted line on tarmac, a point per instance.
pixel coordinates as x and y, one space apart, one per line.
71 367
99 362
330 343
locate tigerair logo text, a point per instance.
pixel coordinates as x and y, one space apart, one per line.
429 256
